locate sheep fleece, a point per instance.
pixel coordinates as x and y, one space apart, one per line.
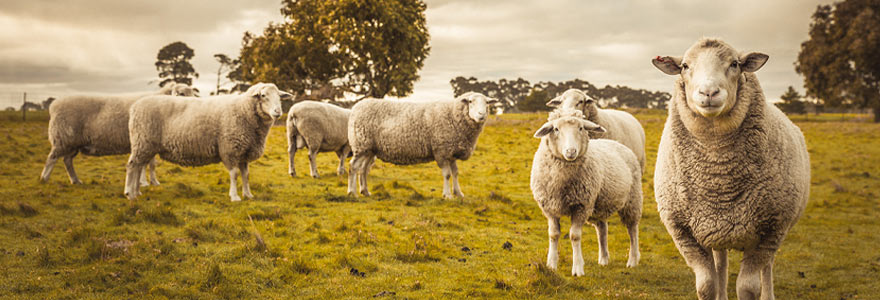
731 191
408 132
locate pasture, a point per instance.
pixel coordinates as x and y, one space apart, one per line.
303 238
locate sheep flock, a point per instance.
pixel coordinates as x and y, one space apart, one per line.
732 171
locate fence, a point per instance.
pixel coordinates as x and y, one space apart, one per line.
25 102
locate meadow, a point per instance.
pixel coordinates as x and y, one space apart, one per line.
304 238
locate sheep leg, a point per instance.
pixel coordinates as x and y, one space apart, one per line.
447 175
767 282
755 264
355 166
720 257
50 164
342 154
71 172
577 255
365 170
698 258
455 188
553 251
245 184
291 150
143 178
233 177
602 237
313 166
153 179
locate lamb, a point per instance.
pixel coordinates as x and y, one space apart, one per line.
732 170
407 132
619 125
230 128
587 180
321 127
96 126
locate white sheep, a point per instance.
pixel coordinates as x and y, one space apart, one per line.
407 132
96 125
732 170
619 125
321 127
587 180
231 129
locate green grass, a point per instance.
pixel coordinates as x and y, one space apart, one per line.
185 239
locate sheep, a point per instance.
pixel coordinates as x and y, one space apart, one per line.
231 129
407 132
321 127
732 170
588 180
619 125
96 126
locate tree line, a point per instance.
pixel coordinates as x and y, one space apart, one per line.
520 95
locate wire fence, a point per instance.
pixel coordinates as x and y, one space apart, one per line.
27 103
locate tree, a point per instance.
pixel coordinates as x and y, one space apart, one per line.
227 65
841 60
535 101
47 102
792 102
173 65
368 48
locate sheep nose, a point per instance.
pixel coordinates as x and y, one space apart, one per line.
570 153
710 92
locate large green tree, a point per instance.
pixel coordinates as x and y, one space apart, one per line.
841 60
366 47
173 64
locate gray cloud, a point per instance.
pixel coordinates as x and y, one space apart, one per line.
73 46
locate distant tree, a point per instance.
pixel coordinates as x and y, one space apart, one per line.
792 102
47 102
227 65
841 60
535 101
30 106
368 48
10 108
173 64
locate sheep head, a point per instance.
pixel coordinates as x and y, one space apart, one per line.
269 98
711 71
568 135
477 105
572 99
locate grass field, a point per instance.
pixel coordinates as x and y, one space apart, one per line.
185 239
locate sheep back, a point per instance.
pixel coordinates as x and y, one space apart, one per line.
594 186
736 189
619 126
327 122
408 132
92 124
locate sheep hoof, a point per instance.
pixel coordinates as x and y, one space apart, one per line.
249 195
603 261
448 196
365 193
315 176
235 198
632 263
459 194
292 174
76 181
577 271
155 182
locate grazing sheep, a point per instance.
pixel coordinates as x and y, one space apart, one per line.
732 170
587 180
619 125
96 126
321 127
231 129
407 132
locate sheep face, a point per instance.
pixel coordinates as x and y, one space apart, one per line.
269 98
572 99
711 71
184 90
477 105
567 137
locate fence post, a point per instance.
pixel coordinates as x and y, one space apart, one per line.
24 108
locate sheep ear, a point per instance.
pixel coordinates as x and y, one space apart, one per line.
590 100
753 61
547 128
593 127
285 96
555 102
491 101
668 64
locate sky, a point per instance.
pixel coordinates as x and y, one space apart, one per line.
55 48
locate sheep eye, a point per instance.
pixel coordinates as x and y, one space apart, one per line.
555 129
734 64
684 66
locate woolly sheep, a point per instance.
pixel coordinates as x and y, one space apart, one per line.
321 127
587 180
231 129
619 125
96 126
407 132
732 170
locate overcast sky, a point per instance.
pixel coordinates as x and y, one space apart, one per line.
60 47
